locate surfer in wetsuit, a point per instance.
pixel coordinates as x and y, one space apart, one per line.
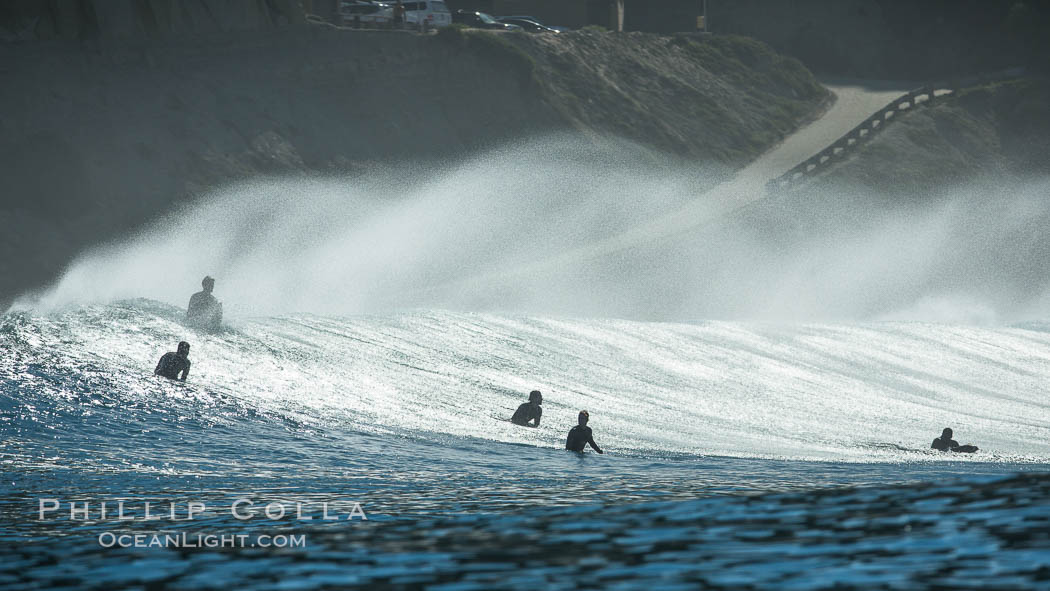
529 411
946 443
204 310
580 435
174 363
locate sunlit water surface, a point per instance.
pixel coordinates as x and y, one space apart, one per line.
409 411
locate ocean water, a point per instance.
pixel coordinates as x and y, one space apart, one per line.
786 446
406 415
425 396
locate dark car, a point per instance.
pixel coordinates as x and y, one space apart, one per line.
533 19
526 24
481 20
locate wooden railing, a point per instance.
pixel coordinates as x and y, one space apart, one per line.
848 143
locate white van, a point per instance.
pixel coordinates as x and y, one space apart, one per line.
432 12
366 13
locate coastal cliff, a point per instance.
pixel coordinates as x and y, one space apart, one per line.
99 137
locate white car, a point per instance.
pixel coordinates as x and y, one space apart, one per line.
362 12
432 12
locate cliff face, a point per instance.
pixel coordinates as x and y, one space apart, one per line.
708 98
86 20
895 39
99 138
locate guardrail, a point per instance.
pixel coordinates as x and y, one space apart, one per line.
854 138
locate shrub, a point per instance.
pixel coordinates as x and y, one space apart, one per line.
456 32
491 47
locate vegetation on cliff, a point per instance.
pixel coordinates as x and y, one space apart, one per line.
705 98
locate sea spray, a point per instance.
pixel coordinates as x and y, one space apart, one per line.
562 227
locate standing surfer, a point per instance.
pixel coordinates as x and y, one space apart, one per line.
580 435
204 310
529 411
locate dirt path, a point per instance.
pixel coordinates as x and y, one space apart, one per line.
855 101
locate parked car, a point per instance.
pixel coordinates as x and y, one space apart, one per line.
481 20
364 12
535 20
527 25
432 12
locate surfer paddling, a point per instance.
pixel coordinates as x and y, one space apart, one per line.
174 363
946 443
